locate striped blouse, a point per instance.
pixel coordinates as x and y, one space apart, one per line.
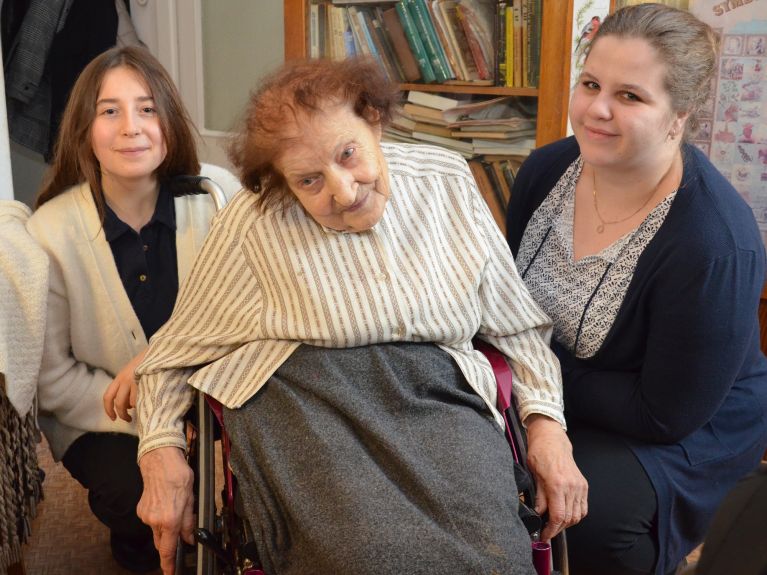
435 268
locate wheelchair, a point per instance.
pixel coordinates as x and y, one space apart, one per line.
224 542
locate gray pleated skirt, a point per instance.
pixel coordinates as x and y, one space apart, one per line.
377 459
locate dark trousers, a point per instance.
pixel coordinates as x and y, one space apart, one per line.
105 464
618 536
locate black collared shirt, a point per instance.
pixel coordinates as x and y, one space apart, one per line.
146 262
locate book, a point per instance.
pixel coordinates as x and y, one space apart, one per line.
499 39
433 129
361 46
450 143
377 48
536 20
525 43
423 6
407 61
509 45
456 32
470 23
314 30
350 47
495 184
507 135
345 2
382 38
425 30
402 122
432 100
517 147
336 31
415 43
427 119
509 168
474 109
517 13
503 182
422 111
485 190
445 42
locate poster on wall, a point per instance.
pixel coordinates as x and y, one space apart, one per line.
734 122
587 16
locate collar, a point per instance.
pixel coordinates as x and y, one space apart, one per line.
164 213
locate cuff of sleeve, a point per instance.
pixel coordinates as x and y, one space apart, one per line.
552 410
169 438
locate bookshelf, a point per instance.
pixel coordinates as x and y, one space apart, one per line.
552 92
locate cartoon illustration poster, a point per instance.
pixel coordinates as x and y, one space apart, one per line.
734 122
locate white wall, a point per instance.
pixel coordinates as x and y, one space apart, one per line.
215 50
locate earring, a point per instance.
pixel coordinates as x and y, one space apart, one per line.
672 134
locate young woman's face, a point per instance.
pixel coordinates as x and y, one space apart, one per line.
620 109
336 169
126 135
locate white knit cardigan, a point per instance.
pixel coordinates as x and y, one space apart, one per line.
91 329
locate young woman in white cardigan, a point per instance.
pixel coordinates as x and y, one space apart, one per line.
119 243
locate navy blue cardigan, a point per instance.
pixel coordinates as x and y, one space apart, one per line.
680 374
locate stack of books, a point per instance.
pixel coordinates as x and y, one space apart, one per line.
472 127
475 42
495 135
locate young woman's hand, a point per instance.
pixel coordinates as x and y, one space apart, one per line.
120 396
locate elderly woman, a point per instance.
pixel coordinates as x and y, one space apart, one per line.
331 311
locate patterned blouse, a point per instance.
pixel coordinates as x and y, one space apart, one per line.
581 297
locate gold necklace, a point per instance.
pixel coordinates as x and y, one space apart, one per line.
603 222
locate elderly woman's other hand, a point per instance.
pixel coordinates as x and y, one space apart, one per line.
561 489
167 502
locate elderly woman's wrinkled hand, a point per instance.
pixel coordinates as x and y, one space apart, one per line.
167 502
561 489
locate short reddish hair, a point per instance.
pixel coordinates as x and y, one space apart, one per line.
298 88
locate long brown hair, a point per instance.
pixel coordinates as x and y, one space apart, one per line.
73 158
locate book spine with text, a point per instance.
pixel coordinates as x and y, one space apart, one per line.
416 45
425 29
391 22
471 39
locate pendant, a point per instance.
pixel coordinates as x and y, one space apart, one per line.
600 228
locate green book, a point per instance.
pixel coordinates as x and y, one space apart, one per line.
536 16
425 29
416 45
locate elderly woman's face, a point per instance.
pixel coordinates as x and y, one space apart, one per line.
336 169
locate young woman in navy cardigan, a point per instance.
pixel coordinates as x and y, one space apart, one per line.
651 266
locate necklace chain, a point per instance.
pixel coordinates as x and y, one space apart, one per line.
602 221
